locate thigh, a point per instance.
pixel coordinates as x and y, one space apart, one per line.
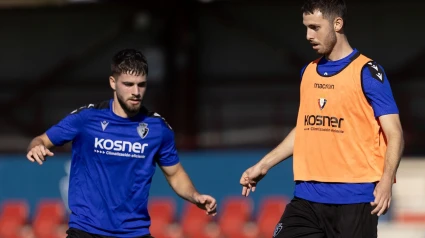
356 221
299 220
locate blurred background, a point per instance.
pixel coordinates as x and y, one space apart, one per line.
224 73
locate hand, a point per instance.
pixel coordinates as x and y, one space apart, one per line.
38 153
250 178
382 193
206 202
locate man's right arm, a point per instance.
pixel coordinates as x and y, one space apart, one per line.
40 140
39 149
278 154
66 130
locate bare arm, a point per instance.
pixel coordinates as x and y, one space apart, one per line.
183 186
278 154
253 175
180 182
40 140
395 144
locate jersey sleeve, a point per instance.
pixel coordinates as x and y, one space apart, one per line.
67 129
377 90
167 153
302 71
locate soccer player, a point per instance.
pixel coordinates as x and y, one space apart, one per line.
116 145
347 142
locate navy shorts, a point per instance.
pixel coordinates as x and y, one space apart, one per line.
305 219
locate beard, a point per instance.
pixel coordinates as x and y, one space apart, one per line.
329 44
127 107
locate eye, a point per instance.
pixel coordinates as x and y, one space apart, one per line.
128 84
314 27
142 85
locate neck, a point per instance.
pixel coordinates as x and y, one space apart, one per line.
341 49
119 111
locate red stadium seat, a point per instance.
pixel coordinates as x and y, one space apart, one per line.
236 211
270 211
49 215
410 217
13 215
194 220
162 211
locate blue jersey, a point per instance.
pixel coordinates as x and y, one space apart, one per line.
379 94
113 161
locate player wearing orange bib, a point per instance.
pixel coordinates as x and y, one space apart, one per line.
347 142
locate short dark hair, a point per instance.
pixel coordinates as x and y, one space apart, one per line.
329 8
129 61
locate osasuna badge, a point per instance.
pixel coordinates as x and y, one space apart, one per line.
322 103
277 229
143 130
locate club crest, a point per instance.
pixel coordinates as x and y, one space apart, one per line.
143 130
322 103
277 229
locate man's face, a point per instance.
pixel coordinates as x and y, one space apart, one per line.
320 32
129 90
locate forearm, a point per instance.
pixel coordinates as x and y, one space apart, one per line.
40 140
393 155
280 153
35 142
183 186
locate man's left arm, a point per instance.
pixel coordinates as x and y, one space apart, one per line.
180 182
377 90
392 129
177 177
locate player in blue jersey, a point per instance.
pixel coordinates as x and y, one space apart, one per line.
331 209
116 145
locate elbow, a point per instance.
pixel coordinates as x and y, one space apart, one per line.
396 138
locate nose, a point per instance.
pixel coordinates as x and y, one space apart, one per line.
309 35
135 90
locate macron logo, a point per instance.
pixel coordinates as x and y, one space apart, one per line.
104 125
106 146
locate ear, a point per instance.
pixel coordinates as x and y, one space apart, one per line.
338 24
112 82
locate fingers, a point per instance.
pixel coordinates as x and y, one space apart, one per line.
43 150
244 178
29 157
38 154
212 207
244 191
381 206
208 204
49 153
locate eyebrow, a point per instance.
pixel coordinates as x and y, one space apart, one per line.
129 82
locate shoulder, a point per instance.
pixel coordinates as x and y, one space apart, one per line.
157 117
91 107
373 70
314 62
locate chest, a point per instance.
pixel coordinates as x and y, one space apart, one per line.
136 139
343 86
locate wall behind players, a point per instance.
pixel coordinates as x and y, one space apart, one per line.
213 172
